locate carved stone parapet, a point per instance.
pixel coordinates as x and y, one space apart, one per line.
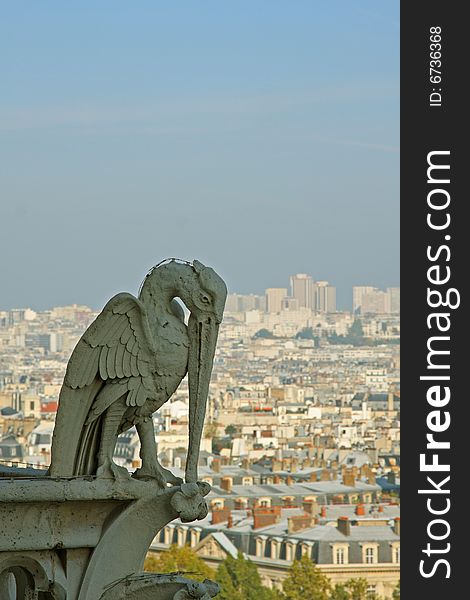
74 538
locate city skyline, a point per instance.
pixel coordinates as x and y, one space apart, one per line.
345 298
260 294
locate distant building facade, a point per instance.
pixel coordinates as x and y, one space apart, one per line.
371 300
274 298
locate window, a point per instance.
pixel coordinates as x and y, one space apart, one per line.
274 549
371 592
339 556
32 405
370 555
290 551
396 554
194 537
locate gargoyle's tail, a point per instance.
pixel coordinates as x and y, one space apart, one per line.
74 444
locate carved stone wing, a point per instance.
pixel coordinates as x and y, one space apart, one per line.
115 356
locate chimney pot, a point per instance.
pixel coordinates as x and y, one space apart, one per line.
396 526
226 484
344 526
360 510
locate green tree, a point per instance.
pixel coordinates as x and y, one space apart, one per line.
340 593
210 430
264 333
355 332
239 580
305 334
396 592
306 581
182 559
357 588
231 430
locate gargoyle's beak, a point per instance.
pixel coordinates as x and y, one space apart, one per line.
203 331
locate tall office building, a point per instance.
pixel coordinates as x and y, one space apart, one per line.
358 292
376 302
244 302
274 298
324 297
302 289
394 294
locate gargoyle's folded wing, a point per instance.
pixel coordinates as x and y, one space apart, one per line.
115 356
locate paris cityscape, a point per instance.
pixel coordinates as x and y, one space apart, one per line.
301 442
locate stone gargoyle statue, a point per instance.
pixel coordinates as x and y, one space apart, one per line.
129 362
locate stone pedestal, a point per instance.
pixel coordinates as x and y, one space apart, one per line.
86 538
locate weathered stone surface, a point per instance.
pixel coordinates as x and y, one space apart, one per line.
171 587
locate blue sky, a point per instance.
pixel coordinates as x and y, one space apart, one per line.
259 136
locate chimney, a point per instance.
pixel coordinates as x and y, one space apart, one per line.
310 507
390 401
226 484
298 523
215 466
325 475
344 526
230 521
348 478
276 466
245 464
360 510
396 526
289 480
220 515
276 480
313 476
323 512
381 508
262 517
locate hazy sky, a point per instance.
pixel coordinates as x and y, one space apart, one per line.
259 136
